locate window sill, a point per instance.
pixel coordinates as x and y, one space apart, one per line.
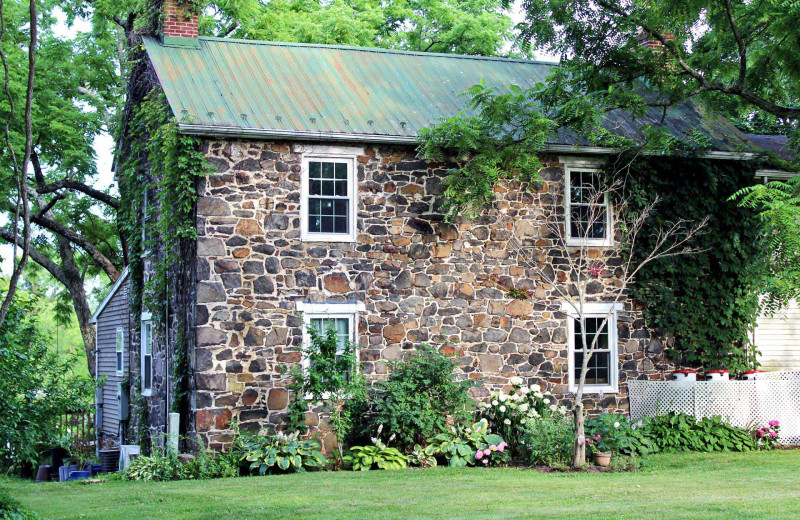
328 237
593 389
577 242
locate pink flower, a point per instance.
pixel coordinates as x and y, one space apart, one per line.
760 432
773 434
493 447
478 455
485 461
774 423
503 444
597 437
501 447
487 452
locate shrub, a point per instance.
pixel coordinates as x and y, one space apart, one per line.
157 467
616 433
682 432
767 436
548 440
36 387
282 453
419 458
206 465
418 396
507 414
469 445
331 377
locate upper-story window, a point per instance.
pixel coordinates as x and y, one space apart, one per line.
588 209
328 205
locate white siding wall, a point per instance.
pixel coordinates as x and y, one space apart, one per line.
778 339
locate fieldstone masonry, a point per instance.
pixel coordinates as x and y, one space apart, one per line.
422 280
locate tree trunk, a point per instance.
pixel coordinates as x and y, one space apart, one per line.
74 284
579 443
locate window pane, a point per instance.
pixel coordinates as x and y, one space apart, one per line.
148 372
592 326
314 169
598 371
341 171
119 361
340 325
327 170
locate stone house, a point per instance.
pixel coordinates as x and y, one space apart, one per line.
319 213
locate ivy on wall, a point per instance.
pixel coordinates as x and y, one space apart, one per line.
702 305
158 185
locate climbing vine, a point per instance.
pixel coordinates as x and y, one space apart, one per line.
158 183
703 305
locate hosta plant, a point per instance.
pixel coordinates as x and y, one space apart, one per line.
418 457
469 445
282 453
378 455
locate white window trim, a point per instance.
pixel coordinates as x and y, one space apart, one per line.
348 310
119 348
608 241
352 181
146 318
594 310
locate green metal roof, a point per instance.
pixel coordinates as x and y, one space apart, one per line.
251 88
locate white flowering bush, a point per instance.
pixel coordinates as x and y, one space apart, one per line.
508 413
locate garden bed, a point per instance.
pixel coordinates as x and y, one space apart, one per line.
752 485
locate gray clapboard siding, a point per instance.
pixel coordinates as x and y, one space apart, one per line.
115 314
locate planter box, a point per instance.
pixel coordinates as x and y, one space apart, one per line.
78 475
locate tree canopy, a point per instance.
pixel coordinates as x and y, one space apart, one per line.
738 56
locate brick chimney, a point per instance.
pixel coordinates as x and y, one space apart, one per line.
179 25
648 40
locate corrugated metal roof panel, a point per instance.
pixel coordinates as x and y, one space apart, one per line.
326 89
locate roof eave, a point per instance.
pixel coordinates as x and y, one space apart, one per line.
298 135
109 295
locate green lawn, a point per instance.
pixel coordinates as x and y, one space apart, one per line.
740 486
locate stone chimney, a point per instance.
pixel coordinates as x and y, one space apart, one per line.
179 25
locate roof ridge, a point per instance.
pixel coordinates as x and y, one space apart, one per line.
376 50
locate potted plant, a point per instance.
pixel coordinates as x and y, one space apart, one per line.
601 449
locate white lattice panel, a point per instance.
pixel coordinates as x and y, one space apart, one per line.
741 403
789 375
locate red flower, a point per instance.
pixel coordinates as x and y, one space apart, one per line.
596 270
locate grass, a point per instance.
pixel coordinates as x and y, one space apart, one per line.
720 486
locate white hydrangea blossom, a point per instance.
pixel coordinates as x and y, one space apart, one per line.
516 381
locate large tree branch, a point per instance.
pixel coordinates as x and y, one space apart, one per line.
739 43
80 241
739 89
37 256
70 184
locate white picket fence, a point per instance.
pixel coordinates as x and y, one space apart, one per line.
742 403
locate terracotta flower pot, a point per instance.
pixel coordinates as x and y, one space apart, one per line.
602 459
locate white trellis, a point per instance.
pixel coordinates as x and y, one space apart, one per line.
741 403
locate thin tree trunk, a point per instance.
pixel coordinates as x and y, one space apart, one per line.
579 443
23 176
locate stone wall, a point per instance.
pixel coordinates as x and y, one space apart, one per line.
422 281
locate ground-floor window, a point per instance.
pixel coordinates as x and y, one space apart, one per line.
147 355
342 318
600 320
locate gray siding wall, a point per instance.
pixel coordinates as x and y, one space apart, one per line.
116 314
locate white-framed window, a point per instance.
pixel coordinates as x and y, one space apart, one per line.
147 355
340 317
328 199
120 351
603 369
588 212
